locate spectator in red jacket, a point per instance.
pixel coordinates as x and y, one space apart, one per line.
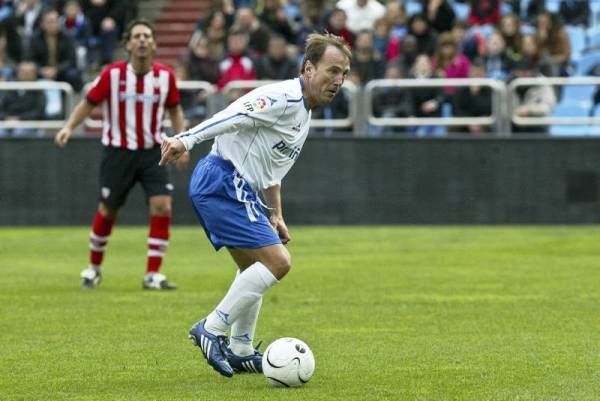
336 24
236 65
484 12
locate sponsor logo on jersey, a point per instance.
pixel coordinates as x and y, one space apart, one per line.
260 103
138 97
284 149
296 127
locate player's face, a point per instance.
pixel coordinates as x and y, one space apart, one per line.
324 80
141 42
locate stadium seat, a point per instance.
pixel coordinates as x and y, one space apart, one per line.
580 94
413 7
569 109
462 11
577 39
595 128
593 38
594 13
553 5
587 62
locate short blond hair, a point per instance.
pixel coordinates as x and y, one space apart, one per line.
317 43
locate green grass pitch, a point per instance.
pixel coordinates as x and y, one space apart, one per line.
391 313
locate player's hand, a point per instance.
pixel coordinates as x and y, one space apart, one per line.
279 226
171 150
183 161
62 137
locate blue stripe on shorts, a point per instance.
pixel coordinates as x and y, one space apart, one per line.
227 207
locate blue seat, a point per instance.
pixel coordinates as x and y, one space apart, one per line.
413 7
594 13
553 5
581 94
461 11
570 109
593 38
595 128
587 62
578 41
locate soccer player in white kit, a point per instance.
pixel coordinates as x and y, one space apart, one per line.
257 139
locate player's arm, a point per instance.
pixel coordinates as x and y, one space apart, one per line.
81 111
272 195
178 123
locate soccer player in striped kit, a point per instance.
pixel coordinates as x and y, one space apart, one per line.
257 139
134 96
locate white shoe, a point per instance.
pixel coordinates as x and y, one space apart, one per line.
91 277
157 281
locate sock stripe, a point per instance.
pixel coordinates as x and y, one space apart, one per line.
97 248
157 241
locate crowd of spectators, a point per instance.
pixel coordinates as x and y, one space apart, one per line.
262 39
55 40
497 39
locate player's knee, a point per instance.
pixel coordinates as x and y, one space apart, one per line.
282 264
160 208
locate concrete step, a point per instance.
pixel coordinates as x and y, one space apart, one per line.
170 52
167 28
179 39
180 16
185 6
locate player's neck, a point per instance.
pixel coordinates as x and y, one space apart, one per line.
141 65
308 102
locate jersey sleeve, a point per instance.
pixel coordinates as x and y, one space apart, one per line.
100 89
249 112
173 97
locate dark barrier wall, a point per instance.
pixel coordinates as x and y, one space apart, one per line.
342 181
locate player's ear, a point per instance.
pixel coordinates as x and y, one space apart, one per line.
309 69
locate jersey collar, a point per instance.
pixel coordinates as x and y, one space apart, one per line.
301 79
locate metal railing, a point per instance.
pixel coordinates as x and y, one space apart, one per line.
502 116
67 103
551 120
498 90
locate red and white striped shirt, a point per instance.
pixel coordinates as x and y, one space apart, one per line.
134 105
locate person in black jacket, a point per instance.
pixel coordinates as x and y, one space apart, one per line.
418 26
54 52
21 105
275 64
574 12
108 19
440 14
473 101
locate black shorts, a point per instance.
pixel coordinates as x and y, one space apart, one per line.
122 168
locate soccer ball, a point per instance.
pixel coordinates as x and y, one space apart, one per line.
288 362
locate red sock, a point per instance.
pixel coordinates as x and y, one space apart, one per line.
158 240
101 228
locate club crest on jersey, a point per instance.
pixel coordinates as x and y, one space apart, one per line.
260 103
284 149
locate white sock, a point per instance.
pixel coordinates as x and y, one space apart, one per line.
242 330
247 288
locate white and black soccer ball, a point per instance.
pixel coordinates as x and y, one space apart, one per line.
288 362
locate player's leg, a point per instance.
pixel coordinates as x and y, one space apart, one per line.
243 329
102 226
116 179
231 216
270 264
240 307
156 184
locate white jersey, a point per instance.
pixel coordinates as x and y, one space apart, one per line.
261 133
